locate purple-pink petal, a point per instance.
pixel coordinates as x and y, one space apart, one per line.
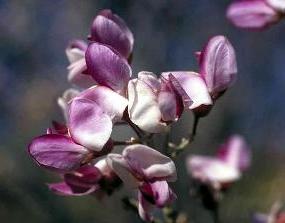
191 87
145 208
236 153
110 29
109 101
86 176
170 102
89 125
218 65
157 193
107 67
57 152
64 189
252 14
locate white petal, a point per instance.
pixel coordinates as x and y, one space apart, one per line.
65 99
211 170
279 5
143 107
149 163
119 165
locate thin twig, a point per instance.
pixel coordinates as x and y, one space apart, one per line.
176 149
194 128
215 214
166 142
136 129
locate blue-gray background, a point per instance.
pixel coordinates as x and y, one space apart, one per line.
33 36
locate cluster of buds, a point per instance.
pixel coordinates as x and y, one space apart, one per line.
106 94
256 14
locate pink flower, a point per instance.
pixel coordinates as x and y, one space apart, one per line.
110 29
57 150
152 103
92 115
226 167
86 180
217 73
192 89
254 14
147 170
218 65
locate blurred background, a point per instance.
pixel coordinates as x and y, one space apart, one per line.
33 37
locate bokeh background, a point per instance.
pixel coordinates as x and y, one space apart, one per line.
33 37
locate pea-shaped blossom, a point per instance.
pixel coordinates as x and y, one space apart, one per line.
192 89
110 29
152 103
255 14
92 114
218 65
226 167
57 150
77 70
96 179
107 67
147 170
218 69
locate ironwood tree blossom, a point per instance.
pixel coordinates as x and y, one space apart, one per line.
106 93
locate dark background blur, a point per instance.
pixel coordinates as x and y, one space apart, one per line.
33 37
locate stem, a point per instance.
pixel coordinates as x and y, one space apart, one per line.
136 129
166 143
194 128
215 213
177 149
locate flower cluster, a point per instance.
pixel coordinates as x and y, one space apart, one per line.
256 14
106 94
